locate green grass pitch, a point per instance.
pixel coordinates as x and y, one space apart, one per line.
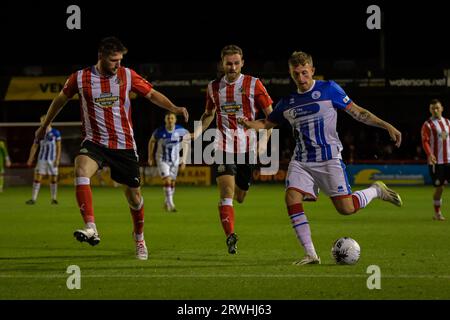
188 254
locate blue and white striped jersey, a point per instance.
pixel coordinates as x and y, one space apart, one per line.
47 149
169 143
313 117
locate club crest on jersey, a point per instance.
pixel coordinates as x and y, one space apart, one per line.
231 108
346 99
315 95
106 100
304 110
443 135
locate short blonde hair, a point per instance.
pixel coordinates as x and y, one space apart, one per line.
300 58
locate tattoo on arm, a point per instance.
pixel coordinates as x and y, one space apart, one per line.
366 117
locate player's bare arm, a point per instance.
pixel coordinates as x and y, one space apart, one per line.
33 150
257 124
185 149
55 107
151 149
58 153
206 119
262 143
362 115
162 101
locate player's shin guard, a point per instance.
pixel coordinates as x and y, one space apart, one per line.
35 190
137 214
53 190
437 205
301 227
226 212
84 199
362 198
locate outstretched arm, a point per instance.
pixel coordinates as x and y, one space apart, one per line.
162 101
257 124
206 119
151 151
55 107
366 117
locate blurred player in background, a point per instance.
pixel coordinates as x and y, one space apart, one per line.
4 162
229 97
316 162
47 162
168 139
436 144
108 133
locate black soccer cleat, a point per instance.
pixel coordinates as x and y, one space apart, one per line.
232 240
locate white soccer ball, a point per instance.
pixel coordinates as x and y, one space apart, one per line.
346 251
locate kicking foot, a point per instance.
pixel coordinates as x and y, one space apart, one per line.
232 240
87 235
307 260
387 194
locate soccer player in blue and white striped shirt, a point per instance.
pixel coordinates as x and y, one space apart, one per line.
316 162
47 162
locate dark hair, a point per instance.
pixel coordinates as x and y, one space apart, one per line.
110 45
435 101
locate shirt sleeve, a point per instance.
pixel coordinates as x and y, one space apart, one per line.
339 98
71 86
262 98
57 135
426 132
277 116
139 85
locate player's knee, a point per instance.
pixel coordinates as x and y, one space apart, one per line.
293 197
345 210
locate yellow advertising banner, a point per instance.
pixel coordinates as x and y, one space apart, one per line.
37 88
193 175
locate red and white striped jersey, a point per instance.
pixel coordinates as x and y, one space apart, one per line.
105 105
436 140
242 98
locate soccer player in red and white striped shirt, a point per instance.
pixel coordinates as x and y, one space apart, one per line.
108 133
436 144
233 96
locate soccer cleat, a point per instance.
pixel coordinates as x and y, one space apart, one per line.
231 243
141 250
169 208
438 216
31 201
87 235
54 201
387 194
307 260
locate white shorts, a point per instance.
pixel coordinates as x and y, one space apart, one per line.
310 177
46 168
168 169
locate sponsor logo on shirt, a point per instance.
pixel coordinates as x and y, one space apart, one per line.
231 108
106 100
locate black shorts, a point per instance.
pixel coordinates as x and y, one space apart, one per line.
242 172
123 163
440 174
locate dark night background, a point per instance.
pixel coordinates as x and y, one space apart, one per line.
173 40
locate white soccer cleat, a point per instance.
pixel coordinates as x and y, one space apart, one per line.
387 194
87 235
141 250
307 260
438 216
